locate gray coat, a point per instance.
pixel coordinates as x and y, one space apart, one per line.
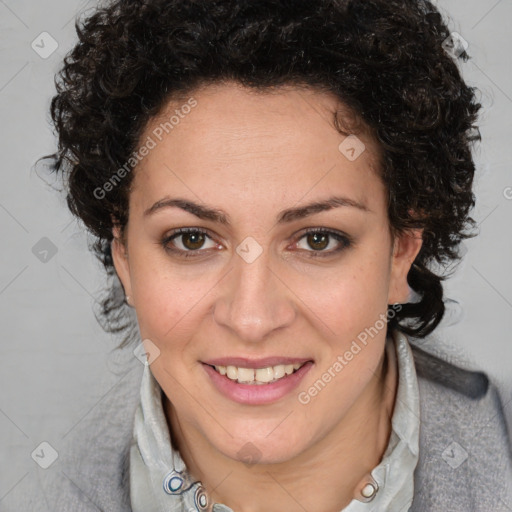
465 461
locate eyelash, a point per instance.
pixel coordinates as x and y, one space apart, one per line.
345 241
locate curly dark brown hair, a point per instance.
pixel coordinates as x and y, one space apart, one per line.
388 61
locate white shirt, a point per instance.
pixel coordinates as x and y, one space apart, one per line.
159 481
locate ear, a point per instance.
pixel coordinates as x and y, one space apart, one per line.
120 259
405 249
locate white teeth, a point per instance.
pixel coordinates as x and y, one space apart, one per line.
279 371
232 372
245 374
259 375
264 374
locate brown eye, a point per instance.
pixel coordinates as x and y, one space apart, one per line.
194 240
323 242
188 242
318 241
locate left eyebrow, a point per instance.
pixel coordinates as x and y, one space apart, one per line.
300 212
288 215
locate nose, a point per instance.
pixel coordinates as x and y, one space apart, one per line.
253 301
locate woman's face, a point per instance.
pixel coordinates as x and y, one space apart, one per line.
248 287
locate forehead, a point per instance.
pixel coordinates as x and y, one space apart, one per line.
279 144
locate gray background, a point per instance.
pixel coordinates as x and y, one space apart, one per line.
56 363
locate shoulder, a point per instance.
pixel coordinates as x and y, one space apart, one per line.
465 455
91 472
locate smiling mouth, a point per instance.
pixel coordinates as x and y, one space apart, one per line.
257 376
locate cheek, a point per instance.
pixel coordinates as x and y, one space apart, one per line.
347 299
169 301
354 307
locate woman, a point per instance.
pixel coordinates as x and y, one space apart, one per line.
270 184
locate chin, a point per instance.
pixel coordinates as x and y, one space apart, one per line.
262 450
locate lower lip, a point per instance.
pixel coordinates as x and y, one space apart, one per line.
257 394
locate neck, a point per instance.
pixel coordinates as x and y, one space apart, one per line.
333 467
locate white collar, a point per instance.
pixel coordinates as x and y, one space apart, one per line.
155 465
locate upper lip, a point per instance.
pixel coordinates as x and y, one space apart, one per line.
265 362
